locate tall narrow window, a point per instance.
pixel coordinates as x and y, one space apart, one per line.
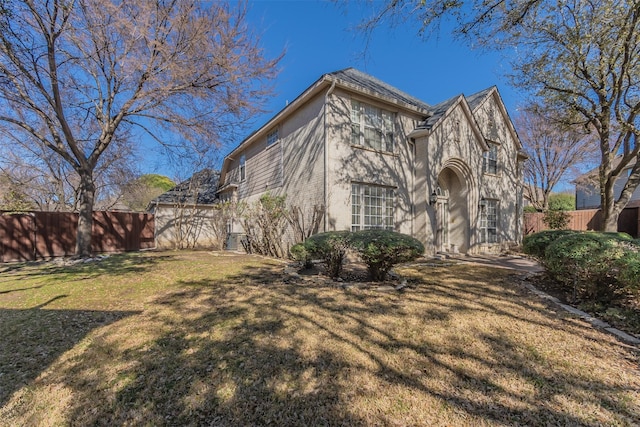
371 127
490 160
272 138
489 221
372 206
243 167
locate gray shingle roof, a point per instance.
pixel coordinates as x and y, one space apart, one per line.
475 99
356 77
200 188
437 111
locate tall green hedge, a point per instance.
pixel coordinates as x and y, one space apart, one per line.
598 266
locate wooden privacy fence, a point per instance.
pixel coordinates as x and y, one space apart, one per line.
587 219
37 235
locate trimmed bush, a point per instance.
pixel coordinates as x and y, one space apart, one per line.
556 220
599 266
331 247
536 244
300 253
382 249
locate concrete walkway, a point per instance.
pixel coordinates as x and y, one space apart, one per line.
512 262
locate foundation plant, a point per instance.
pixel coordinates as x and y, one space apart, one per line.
380 250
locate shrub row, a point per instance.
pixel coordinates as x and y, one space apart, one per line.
598 266
380 250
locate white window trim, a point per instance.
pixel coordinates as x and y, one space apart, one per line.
242 168
273 137
359 216
486 158
386 130
484 222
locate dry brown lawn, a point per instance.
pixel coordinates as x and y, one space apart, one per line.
198 338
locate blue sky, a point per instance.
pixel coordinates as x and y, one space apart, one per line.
319 37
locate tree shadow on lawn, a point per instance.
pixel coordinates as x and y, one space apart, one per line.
112 265
253 350
32 339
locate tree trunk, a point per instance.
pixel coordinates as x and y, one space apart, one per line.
85 218
610 221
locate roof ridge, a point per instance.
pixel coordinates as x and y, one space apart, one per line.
358 77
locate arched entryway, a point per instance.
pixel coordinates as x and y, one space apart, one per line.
453 229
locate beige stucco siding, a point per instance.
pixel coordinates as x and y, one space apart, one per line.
303 139
315 163
506 185
349 163
294 166
186 227
450 156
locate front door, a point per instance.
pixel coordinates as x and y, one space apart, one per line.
442 218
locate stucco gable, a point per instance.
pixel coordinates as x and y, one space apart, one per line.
442 111
480 99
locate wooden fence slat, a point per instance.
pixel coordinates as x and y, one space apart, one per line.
37 235
585 220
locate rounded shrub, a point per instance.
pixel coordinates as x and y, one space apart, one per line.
599 266
331 247
536 244
382 249
556 220
300 253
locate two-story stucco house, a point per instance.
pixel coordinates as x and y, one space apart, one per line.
375 157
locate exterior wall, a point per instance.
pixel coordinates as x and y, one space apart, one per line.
198 230
347 163
315 163
298 155
450 156
507 185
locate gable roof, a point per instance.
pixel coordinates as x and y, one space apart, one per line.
478 98
199 189
360 82
378 87
349 78
441 111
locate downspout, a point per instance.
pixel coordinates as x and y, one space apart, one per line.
326 155
412 143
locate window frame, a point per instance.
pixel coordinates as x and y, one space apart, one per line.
489 221
372 207
490 159
273 137
372 127
242 168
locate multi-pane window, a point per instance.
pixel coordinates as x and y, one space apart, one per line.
371 127
372 206
243 167
272 138
489 221
490 160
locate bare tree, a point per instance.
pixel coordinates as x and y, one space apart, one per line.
581 56
51 184
555 151
75 75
